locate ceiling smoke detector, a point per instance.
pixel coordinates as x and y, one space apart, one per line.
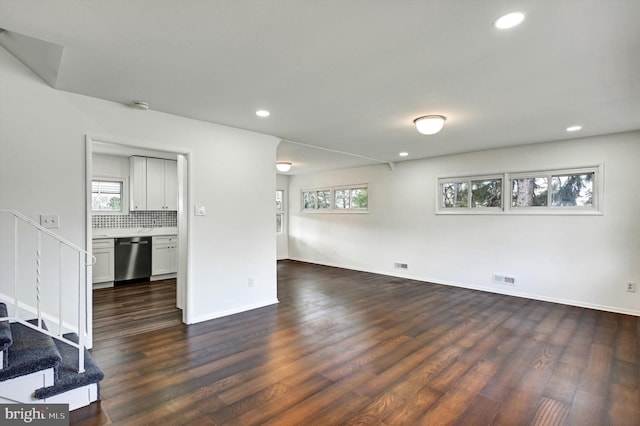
140 105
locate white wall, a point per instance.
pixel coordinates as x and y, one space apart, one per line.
42 134
579 260
105 165
282 240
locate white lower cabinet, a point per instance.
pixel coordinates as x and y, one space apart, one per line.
104 252
164 255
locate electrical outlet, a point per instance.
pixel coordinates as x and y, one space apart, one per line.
51 221
631 287
250 282
399 265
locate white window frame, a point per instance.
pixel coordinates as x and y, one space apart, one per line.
597 192
332 207
595 209
280 212
124 201
440 209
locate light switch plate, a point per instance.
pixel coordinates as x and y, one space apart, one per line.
51 221
199 211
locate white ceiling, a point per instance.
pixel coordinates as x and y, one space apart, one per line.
349 76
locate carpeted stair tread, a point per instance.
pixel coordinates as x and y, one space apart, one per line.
31 351
68 377
5 335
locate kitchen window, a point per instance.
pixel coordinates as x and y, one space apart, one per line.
108 196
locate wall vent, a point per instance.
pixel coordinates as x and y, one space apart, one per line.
503 279
400 265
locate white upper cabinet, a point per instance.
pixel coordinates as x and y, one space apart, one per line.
160 183
138 183
171 185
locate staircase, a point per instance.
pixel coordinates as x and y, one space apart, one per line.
43 277
40 369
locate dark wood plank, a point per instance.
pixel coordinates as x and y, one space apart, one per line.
351 348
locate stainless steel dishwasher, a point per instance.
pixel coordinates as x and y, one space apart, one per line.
133 259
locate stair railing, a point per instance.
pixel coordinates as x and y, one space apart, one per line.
44 309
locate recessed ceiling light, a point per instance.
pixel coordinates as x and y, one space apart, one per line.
262 113
573 128
403 154
509 20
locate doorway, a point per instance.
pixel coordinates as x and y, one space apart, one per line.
109 160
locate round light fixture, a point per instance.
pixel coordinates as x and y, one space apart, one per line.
429 124
509 20
263 113
283 166
140 105
574 128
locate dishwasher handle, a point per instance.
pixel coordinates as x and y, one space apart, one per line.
128 243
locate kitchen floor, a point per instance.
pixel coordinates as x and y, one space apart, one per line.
131 309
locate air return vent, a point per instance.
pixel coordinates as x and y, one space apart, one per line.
503 279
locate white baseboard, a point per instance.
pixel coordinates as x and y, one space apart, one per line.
580 304
232 311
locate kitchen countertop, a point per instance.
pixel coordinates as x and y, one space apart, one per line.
132 232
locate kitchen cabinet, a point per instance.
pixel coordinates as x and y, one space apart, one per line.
162 184
138 183
154 184
164 255
104 252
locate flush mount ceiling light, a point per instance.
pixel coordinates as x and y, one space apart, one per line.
283 166
509 20
263 113
140 105
574 128
429 124
403 154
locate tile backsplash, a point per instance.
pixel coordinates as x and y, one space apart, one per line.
145 219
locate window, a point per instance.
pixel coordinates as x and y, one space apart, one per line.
566 191
529 192
324 199
279 211
279 223
108 196
466 193
343 199
316 200
573 190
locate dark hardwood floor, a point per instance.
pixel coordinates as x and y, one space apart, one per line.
134 309
347 348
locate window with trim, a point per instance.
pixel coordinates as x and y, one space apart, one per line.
562 191
481 192
279 211
108 196
572 189
339 199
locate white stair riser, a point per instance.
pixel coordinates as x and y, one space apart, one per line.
21 388
76 398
